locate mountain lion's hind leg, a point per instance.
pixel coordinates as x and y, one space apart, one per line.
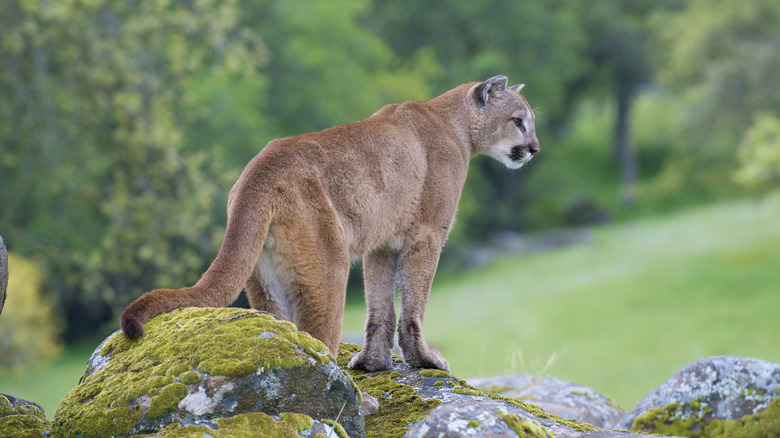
319 294
311 258
379 277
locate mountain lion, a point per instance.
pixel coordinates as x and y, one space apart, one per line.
385 188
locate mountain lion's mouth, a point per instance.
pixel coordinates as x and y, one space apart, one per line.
516 154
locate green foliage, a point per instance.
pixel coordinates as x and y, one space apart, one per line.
29 327
581 160
99 92
721 60
327 67
759 155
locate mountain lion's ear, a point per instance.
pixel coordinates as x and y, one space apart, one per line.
517 88
492 87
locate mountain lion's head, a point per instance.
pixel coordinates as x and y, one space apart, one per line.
504 123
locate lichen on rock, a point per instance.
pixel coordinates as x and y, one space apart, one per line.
717 396
556 396
195 365
695 420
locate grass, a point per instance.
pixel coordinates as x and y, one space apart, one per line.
619 314
622 313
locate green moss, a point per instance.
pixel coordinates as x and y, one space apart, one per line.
288 423
337 428
117 421
438 383
24 421
753 391
189 378
399 405
672 420
466 391
250 425
434 373
462 387
177 369
536 411
499 389
473 423
525 427
298 421
175 345
167 399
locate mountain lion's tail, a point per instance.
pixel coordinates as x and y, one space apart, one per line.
221 284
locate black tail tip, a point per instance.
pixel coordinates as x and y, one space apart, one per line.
132 326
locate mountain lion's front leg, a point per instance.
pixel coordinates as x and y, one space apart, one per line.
416 268
379 277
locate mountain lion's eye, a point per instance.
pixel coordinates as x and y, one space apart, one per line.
519 123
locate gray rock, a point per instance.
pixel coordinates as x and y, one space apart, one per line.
556 396
3 273
715 388
489 418
201 366
416 402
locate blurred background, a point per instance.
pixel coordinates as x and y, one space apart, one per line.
643 237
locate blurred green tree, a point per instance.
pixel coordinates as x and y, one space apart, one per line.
29 328
327 67
722 58
618 63
759 155
92 169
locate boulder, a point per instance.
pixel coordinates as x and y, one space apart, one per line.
556 396
415 402
718 396
212 368
21 418
489 418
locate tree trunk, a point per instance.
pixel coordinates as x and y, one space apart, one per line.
622 147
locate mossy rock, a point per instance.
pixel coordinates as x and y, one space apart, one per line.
486 418
721 396
697 421
202 366
567 399
253 425
409 397
21 419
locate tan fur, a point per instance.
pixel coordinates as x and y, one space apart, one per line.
385 188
